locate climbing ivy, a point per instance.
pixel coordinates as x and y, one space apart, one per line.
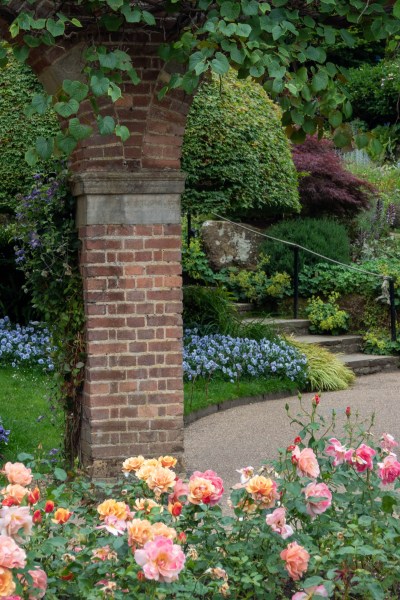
283 44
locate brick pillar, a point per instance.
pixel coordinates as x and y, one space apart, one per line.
129 225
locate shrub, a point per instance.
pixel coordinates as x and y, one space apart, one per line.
256 286
326 317
235 152
321 520
208 309
326 187
325 236
374 92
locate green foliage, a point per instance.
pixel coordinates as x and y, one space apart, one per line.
235 152
195 263
256 286
325 236
18 132
326 317
48 256
208 309
326 372
385 178
374 92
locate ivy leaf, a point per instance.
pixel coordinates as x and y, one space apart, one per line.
115 4
78 130
44 147
243 30
237 55
114 91
21 53
316 54
220 64
75 89
106 125
31 156
67 109
56 28
122 132
230 10
347 38
111 22
335 118
99 85
362 141
39 104
108 60
131 16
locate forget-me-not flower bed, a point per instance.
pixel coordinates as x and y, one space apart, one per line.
28 345
232 358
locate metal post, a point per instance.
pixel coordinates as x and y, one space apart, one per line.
392 310
189 228
295 282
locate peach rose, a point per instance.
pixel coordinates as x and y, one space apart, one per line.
161 560
132 464
167 461
216 482
17 473
7 585
317 490
160 480
162 529
146 505
13 519
200 490
277 521
139 532
61 516
296 558
306 461
11 555
16 492
113 508
147 468
263 491
39 585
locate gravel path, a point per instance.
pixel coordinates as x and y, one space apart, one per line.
247 435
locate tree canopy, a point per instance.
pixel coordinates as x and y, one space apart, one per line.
286 45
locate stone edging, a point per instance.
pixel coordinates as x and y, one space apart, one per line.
214 408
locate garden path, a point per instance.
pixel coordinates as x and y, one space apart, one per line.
248 435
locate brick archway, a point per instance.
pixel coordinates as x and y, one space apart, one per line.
128 199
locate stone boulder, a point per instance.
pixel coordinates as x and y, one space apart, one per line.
228 245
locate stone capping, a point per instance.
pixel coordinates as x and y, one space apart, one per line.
136 198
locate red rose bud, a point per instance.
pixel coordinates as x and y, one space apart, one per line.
316 399
37 517
34 496
67 577
141 576
297 440
176 509
294 460
49 506
290 448
348 411
182 537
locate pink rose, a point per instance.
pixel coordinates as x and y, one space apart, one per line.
161 559
310 592
11 555
296 558
113 525
39 585
17 473
336 450
216 483
13 519
317 490
180 489
361 458
306 461
388 443
277 521
389 469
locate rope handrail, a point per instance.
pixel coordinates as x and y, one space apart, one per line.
294 245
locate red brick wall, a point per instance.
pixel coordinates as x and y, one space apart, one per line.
133 399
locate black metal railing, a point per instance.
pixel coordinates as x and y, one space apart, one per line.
296 269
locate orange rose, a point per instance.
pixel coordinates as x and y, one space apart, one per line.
147 468
164 530
139 532
167 461
61 516
7 585
15 492
306 462
17 473
175 509
263 491
132 464
113 508
160 480
296 558
200 490
146 504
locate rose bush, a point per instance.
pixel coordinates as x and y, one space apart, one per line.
319 522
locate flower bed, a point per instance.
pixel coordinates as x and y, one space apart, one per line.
28 345
318 522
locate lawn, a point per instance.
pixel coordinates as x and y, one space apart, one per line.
25 410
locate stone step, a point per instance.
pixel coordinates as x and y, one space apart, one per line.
295 326
366 364
243 307
346 344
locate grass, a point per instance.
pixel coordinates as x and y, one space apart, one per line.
25 410
197 397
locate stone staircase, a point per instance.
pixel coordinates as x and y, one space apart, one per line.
348 346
